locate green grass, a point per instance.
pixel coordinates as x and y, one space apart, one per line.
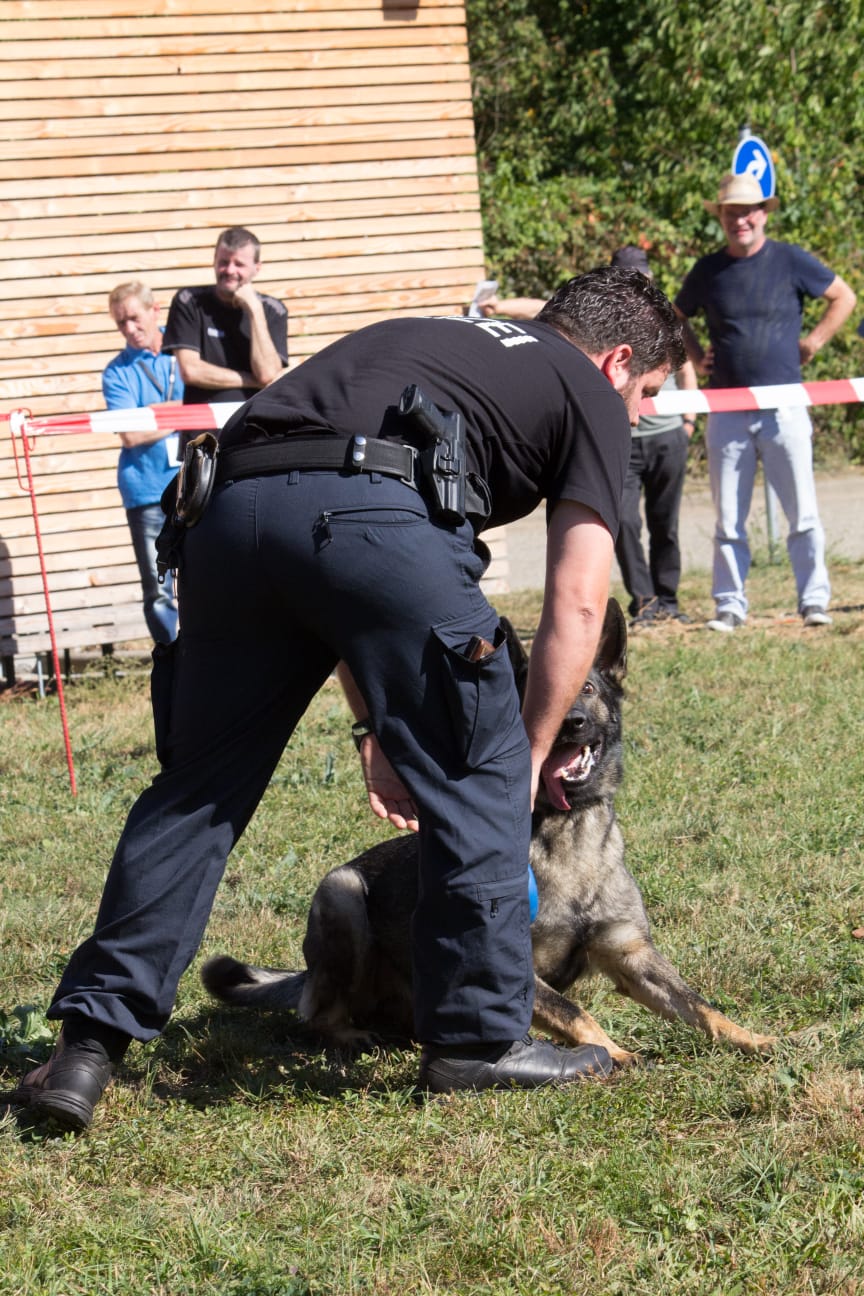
231 1158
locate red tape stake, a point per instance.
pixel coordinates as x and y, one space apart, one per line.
17 426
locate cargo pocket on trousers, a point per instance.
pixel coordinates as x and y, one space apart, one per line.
161 690
495 927
482 701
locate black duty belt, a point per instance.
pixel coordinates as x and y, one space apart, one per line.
354 455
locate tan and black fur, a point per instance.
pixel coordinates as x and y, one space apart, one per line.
591 917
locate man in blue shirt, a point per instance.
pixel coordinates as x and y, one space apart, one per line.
143 375
752 293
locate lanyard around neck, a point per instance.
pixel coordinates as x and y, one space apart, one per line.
166 393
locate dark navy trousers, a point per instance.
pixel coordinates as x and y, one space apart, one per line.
284 575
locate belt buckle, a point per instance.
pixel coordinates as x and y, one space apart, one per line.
410 478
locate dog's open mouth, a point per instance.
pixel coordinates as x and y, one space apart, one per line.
567 768
579 768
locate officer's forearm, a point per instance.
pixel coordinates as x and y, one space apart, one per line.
578 565
561 657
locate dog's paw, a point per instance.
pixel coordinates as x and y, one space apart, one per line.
760 1044
622 1058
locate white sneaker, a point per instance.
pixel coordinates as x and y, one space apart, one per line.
814 616
726 622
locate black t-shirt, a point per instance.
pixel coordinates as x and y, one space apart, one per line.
542 421
198 320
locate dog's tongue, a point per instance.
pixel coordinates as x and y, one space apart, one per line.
565 764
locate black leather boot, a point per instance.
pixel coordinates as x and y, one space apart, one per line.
68 1086
523 1064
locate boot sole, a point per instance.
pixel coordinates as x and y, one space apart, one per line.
64 1108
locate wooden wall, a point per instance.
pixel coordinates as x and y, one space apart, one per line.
340 131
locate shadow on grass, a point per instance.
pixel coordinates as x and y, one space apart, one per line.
220 1057
221 1052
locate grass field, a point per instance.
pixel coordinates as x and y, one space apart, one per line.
231 1158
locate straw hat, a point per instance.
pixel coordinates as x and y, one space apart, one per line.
741 190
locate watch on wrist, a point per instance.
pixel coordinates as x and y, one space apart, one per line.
360 729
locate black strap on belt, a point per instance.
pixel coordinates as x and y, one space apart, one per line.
354 454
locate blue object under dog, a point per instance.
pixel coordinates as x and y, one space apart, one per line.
533 897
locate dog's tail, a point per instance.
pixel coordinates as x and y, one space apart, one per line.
247 986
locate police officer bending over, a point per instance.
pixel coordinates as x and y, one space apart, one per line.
336 532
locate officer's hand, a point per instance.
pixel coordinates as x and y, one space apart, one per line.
388 796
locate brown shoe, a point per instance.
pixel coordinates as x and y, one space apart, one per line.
68 1086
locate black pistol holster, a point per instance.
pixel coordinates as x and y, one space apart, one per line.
440 438
185 499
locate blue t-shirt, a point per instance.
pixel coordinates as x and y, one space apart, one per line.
753 307
135 378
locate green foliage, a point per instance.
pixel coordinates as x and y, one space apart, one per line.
604 124
22 1029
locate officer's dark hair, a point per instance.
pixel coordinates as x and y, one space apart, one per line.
611 305
237 237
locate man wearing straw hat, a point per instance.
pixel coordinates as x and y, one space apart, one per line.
752 293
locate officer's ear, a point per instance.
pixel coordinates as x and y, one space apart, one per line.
615 364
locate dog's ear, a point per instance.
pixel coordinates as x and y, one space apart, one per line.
611 658
517 654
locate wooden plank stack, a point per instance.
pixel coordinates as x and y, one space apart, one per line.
340 131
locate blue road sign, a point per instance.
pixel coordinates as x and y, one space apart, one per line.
752 157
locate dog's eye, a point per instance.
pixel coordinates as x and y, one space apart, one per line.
588 689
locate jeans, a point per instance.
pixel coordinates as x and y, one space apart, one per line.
283 576
783 440
160 606
658 464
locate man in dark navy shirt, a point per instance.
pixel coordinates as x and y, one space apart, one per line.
320 546
752 294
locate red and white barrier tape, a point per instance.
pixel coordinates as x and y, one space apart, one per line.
725 400
174 417
169 417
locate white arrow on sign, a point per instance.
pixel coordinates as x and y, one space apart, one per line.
757 166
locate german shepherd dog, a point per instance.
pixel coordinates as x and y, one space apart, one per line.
357 982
